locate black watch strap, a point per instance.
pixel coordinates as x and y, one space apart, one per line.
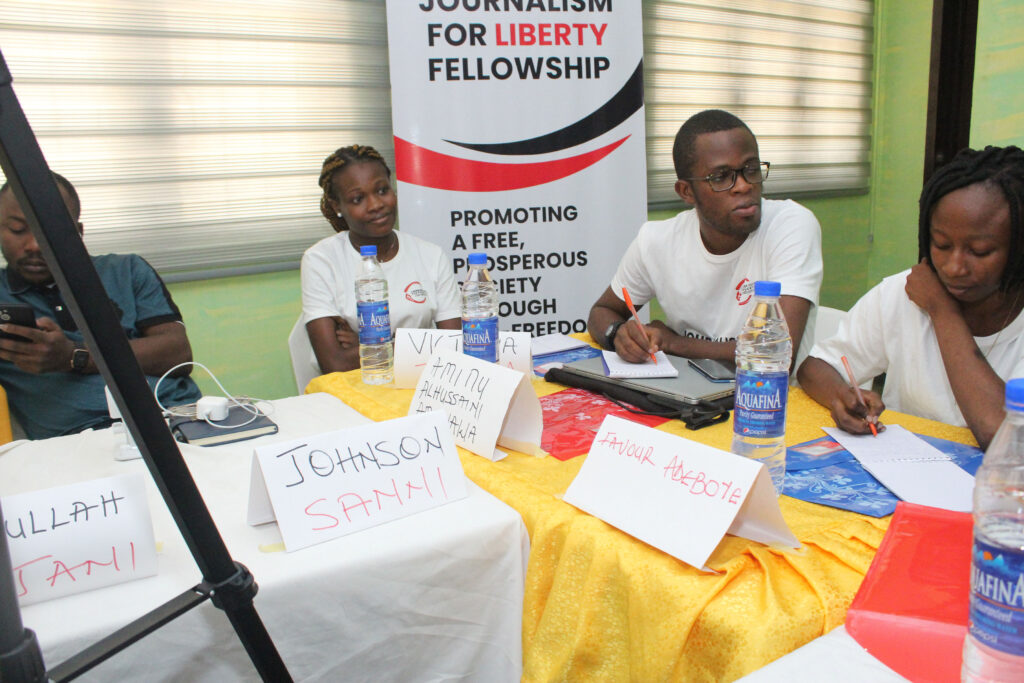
79 358
609 335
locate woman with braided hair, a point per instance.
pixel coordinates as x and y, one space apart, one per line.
949 332
360 204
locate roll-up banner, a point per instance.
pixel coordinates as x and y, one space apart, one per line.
519 132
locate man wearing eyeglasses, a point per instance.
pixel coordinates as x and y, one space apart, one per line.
701 265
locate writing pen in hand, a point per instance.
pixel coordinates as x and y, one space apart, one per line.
629 303
860 396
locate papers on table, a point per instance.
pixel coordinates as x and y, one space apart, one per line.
912 469
327 485
677 495
486 404
615 366
70 539
553 343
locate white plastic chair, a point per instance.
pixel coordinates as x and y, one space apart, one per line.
304 363
826 324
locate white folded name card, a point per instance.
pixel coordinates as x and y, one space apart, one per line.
414 347
71 539
675 494
329 485
485 403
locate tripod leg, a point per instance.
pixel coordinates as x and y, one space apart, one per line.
20 657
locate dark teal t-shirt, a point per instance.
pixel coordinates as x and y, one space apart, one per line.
55 403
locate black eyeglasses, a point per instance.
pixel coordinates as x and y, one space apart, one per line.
725 179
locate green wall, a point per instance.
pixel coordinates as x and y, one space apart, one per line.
902 45
239 326
998 103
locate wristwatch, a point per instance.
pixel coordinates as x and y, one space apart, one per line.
609 334
79 358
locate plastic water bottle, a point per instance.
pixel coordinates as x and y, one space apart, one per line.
479 311
994 647
763 353
375 351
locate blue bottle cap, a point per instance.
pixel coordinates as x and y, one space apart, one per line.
1015 395
368 250
767 288
478 258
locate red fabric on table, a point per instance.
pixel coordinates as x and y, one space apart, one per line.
573 416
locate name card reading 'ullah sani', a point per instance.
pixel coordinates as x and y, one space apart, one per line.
333 484
678 495
74 538
485 404
414 347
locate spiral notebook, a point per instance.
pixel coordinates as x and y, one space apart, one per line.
614 366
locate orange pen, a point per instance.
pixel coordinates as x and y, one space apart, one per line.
860 396
629 303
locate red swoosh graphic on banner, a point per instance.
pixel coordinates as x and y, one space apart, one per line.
420 166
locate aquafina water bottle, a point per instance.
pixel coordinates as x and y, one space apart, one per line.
375 351
763 352
994 647
479 311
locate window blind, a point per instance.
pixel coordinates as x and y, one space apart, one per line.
798 73
194 131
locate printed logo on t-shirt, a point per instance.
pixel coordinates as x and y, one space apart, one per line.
744 290
415 293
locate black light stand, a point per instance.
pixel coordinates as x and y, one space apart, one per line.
227 583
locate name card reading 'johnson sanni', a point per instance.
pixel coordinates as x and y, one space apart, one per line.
675 494
333 484
71 539
414 347
485 404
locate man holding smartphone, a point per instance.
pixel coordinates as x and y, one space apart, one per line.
52 383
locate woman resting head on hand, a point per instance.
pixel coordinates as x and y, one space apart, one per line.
949 332
359 202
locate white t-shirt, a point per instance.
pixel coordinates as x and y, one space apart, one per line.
705 295
421 286
886 332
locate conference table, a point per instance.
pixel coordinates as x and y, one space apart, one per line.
600 605
433 596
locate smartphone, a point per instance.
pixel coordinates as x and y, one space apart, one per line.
714 370
18 314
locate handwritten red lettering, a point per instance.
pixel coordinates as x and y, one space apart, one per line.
334 520
377 493
361 502
375 502
20 572
639 452
36 575
698 483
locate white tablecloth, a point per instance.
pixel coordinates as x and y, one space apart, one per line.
432 597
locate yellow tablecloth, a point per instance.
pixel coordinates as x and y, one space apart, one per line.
602 606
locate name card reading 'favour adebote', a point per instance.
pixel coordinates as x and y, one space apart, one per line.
485 404
414 347
675 494
71 539
333 484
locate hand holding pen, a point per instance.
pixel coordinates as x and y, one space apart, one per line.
629 304
862 403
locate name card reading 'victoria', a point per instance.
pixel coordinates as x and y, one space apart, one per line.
333 484
485 403
414 347
71 539
675 494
